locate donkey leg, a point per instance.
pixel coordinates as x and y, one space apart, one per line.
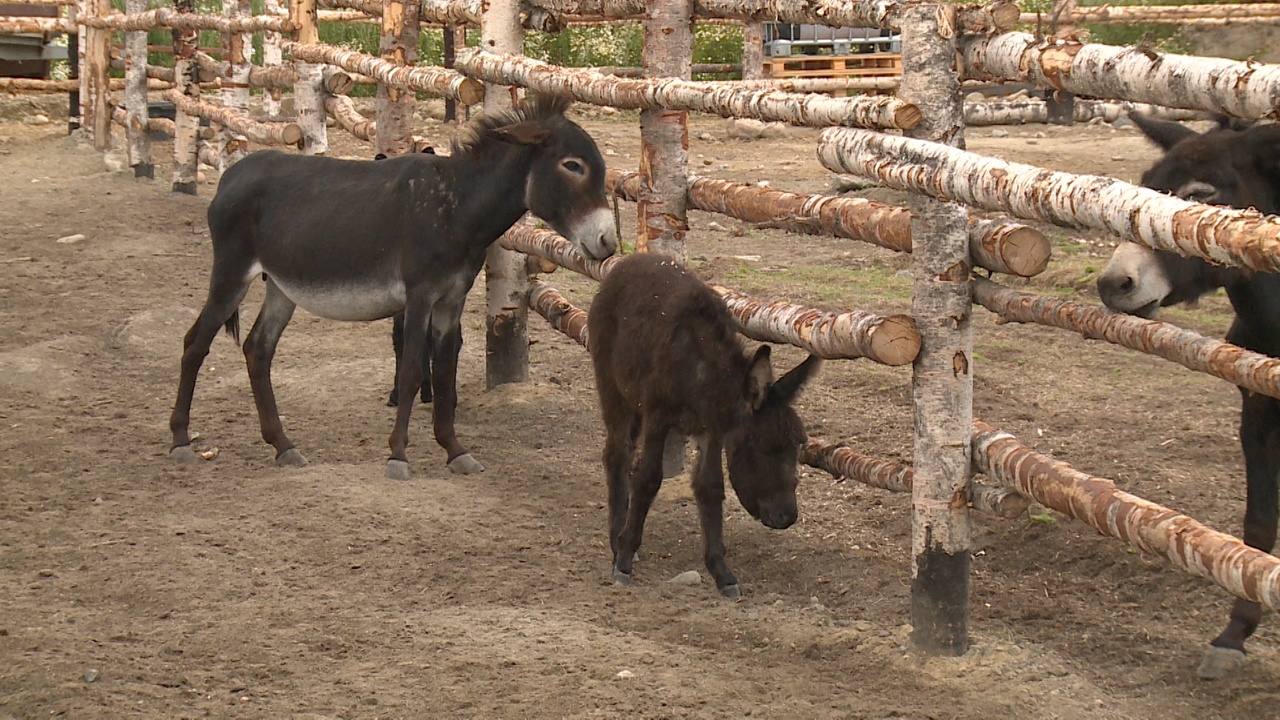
424 393
397 345
226 291
1260 439
621 423
408 378
646 479
708 490
446 332
259 349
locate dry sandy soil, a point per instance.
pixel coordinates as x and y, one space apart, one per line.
131 587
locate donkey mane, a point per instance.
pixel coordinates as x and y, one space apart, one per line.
536 107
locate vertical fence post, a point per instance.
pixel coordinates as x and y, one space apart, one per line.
942 379
395 107
506 279
135 96
237 51
186 81
271 57
450 53
753 50
74 60
1060 105
308 88
664 157
664 134
95 77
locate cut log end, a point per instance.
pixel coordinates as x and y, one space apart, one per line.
907 116
471 92
1005 15
291 134
339 82
895 341
1026 252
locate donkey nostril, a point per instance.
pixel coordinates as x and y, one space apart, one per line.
1126 285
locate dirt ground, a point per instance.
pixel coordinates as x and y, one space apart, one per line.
131 587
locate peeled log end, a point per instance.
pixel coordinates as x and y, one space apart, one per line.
471 92
1005 15
291 134
895 341
1026 252
907 116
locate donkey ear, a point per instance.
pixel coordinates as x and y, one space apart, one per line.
759 377
788 386
527 132
1164 133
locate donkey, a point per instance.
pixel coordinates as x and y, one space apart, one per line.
362 240
667 357
1240 168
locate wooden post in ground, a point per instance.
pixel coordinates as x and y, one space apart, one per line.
942 379
186 153
1060 104
664 157
271 57
308 89
75 58
450 52
237 51
135 96
753 50
94 79
506 276
395 107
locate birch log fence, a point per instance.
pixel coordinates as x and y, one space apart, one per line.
944 240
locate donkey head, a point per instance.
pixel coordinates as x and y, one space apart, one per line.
565 185
763 452
1228 165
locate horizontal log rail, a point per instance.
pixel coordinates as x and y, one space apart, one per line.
1244 571
23 25
891 340
996 16
1241 89
1240 238
635 72
171 19
39 85
1161 13
433 80
450 12
263 133
1037 111
996 245
343 111
1252 371
120 116
816 85
674 94
842 462
562 314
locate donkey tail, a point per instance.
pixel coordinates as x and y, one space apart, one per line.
233 326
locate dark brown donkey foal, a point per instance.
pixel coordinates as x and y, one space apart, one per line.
667 357
363 240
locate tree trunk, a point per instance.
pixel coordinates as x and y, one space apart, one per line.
1240 89
94 80
186 159
753 50
942 377
674 94
506 277
395 106
1240 238
135 59
1164 13
272 57
1247 572
308 89
237 51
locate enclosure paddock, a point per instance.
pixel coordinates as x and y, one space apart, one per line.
927 107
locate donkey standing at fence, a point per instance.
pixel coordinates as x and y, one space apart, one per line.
667 357
1240 168
361 240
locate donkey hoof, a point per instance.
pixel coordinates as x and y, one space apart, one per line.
183 454
731 591
291 458
397 469
465 464
1219 662
621 578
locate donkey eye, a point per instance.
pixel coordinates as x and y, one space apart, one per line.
574 167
